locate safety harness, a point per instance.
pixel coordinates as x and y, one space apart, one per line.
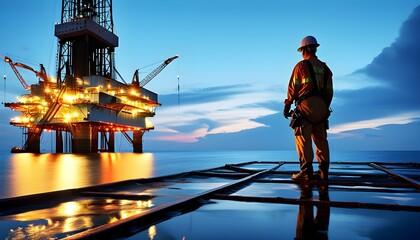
315 91
300 114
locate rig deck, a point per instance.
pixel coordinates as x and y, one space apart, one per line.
123 209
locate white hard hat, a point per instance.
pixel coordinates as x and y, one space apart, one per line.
306 41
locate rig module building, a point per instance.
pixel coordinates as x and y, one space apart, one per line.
85 105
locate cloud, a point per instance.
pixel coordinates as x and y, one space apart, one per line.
183 137
388 137
386 90
398 62
376 123
227 109
397 66
357 81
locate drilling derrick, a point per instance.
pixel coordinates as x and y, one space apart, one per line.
86 105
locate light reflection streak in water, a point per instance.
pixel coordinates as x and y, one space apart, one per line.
72 217
151 232
36 173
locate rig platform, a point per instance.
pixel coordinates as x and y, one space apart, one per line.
85 105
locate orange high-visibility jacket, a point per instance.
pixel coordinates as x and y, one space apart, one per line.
300 82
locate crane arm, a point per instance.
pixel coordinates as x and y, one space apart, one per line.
42 74
155 72
21 65
22 81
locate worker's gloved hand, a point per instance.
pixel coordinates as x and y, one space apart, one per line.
286 111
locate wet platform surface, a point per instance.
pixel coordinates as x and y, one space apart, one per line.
253 200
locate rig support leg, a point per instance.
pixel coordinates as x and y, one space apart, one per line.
94 140
58 141
33 144
138 141
82 139
111 142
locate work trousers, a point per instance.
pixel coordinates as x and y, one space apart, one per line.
304 135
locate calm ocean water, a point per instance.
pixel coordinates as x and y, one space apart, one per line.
22 174
25 173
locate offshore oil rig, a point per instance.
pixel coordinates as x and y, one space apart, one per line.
85 105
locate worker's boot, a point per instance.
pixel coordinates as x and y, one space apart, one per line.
306 171
302 176
321 175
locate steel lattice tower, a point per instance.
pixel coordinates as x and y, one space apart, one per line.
86 39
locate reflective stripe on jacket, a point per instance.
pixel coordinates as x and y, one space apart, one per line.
300 82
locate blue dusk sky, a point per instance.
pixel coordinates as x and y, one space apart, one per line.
234 65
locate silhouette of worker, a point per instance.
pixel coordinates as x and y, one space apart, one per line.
311 89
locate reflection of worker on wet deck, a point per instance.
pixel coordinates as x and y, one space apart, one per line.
308 227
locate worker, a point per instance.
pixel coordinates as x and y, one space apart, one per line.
311 89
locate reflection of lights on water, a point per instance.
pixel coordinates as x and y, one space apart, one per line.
36 173
145 204
74 216
51 229
152 232
76 223
113 219
139 206
128 213
70 208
